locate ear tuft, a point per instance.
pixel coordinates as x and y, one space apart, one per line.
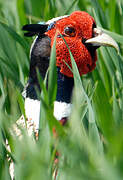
34 29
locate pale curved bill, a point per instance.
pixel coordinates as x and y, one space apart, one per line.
102 39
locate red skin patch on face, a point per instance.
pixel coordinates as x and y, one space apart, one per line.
82 22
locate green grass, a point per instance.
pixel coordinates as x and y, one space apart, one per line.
91 145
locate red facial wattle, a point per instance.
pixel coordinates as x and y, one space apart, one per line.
82 23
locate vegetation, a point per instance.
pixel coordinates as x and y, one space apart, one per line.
91 146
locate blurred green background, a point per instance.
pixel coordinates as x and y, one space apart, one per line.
91 145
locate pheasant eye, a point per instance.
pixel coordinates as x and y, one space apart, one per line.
69 31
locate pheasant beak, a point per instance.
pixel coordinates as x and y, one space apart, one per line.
102 39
